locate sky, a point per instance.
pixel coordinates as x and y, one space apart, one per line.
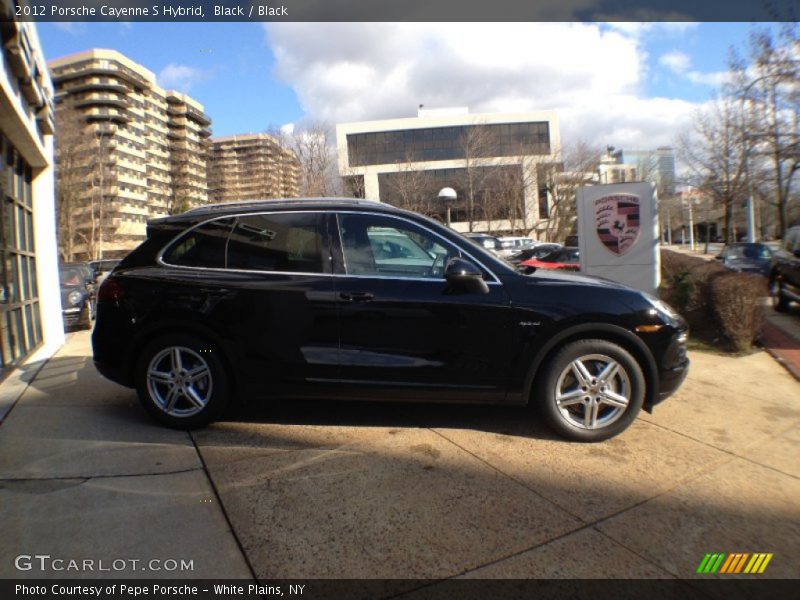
629 85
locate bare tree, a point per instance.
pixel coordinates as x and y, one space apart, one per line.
71 171
315 150
478 144
768 88
179 195
578 168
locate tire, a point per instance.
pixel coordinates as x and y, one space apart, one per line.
85 321
589 412
191 397
780 302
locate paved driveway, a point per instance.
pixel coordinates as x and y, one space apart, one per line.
401 491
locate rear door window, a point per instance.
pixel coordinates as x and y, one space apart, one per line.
281 242
203 246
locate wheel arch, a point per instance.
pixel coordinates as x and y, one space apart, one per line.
180 326
603 331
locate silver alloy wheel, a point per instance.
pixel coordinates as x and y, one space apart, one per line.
593 391
179 381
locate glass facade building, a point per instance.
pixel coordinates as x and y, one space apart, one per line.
492 161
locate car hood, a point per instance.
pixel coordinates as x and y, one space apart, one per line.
571 278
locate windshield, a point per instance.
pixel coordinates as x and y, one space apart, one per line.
750 251
70 277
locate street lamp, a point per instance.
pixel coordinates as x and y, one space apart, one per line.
448 196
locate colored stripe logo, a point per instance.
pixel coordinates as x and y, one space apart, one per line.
734 563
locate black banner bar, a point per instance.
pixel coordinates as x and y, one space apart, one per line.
745 587
404 10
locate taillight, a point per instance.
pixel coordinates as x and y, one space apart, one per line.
110 291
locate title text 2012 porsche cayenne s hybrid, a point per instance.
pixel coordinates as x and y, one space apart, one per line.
352 300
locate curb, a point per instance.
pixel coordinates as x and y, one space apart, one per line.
782 347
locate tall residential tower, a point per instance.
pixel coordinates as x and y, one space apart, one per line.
126 150
251 167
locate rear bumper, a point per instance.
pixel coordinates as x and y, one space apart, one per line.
114 373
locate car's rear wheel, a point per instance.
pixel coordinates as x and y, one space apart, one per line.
590 390
182 382
779 300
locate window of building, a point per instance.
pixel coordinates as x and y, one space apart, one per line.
20 322
448 143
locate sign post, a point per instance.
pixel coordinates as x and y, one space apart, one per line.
618 234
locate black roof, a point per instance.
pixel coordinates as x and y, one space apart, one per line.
226 208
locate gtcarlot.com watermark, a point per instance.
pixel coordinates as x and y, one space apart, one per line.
46 563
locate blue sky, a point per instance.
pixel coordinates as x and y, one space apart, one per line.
624 84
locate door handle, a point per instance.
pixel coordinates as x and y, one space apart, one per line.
356 296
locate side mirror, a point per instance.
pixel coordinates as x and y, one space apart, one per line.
719 257
463 274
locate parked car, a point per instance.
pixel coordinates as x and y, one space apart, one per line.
784 280
77 295
102 267
489 242
537 251
747 258
512 245
241 303
566 259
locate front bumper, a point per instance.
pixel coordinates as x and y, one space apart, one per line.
670 380
72 316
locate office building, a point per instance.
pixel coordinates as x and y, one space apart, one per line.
250 167
127 150
30 302
496 163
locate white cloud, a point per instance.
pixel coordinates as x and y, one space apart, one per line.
714 79
72 27
680 63
181 77
676 61
589 74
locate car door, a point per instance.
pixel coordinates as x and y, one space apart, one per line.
404 332
264 282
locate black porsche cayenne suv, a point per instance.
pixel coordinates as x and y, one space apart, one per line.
357 300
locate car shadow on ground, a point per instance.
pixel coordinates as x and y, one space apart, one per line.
522 421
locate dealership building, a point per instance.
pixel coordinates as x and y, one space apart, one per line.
30 301
495 163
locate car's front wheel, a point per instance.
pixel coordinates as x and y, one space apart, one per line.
590 390
182 382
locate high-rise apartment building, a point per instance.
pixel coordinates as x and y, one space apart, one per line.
251 167
127 150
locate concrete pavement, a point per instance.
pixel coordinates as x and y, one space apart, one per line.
401 491
85 475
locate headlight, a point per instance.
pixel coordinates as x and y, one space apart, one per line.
75 298
661 307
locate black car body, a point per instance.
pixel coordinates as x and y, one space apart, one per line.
785 274
751 257
300 299
77 294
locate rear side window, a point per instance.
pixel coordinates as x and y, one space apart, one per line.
203 246
288 242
